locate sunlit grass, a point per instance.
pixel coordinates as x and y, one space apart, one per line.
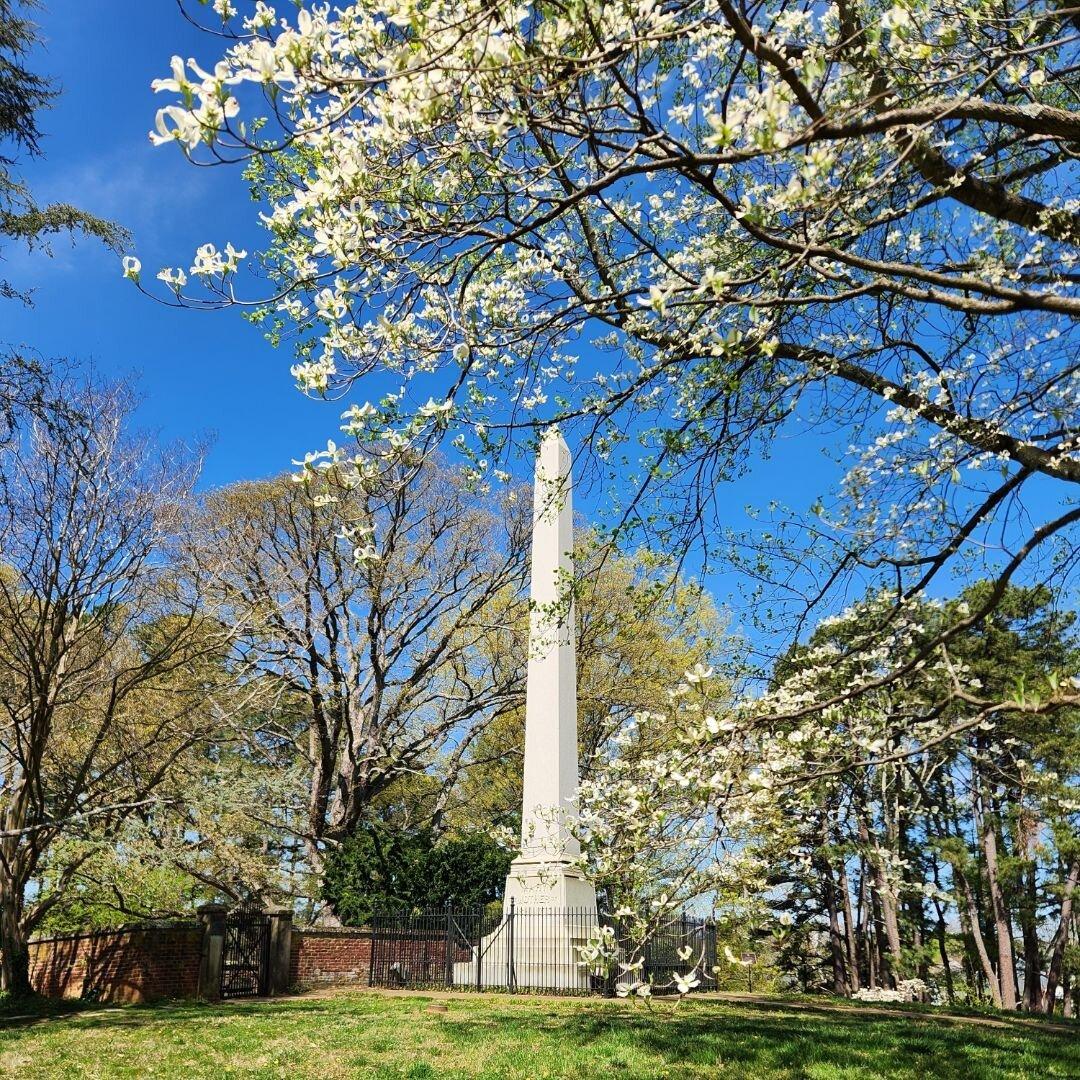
369 1035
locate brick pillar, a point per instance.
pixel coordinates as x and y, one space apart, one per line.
280 949
212 921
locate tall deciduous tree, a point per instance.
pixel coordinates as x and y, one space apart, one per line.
371 608
104 679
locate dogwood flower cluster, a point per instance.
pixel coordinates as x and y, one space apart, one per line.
905 991
756 216
622 961
326 471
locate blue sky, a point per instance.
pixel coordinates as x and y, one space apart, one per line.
200 372
203 373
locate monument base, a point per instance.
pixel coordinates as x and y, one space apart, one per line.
549 912
532 884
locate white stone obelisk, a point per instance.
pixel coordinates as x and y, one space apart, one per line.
549 908
542 876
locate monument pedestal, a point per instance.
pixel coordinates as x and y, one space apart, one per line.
536 885
549 912
556 911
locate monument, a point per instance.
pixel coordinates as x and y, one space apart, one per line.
544 888
543 874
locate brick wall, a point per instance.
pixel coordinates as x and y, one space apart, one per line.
137 964
154 962
324 956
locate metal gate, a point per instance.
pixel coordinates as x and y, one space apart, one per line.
245 964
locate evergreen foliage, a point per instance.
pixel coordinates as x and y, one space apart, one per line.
377 869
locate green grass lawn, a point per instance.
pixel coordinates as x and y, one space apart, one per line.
369 1035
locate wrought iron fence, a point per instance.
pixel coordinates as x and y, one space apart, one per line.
531 949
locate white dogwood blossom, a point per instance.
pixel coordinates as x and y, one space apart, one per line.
852 212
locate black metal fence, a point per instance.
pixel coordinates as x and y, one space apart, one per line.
533 949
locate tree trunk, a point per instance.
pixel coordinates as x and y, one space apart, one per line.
884 908
918 918
970 917
14 951
872 966
1061 939
327 915
1002 925
836 940
943 951
890 924
1068 1007
941 934
863 927
1027 831
849 928
886 975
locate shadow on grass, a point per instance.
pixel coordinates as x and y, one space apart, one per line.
28 1010
89 1015
763 1039
788 1041
845 1008
908 1050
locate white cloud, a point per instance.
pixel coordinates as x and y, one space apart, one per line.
155 196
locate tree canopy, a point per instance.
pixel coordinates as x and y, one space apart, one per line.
681 229
107 665
377 870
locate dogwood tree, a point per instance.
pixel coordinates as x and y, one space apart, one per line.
678 228
953 786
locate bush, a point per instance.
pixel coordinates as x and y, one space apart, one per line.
377 870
